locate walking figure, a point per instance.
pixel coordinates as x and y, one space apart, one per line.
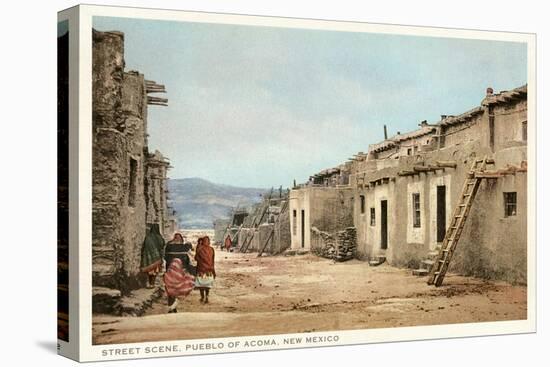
228 243
179 279
204 255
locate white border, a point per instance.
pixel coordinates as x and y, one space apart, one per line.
89 352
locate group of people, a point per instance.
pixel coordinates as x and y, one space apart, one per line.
181 276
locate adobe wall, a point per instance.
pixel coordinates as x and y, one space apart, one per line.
220 226
282 235
509 119
492 245
475 129
327 208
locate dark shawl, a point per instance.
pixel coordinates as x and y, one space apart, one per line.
205 259
179 251
152 250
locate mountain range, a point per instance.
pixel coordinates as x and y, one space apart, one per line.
199 202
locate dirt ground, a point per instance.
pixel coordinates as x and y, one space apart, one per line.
305 293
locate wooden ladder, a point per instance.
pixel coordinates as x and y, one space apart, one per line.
249 237
236 234
272 232
460 214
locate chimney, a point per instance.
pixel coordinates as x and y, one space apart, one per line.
385 133
423 123
489 91
443 117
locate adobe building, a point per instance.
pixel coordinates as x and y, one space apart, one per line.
405 188
129 183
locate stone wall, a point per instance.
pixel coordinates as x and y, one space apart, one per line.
156 192
109 158
129 184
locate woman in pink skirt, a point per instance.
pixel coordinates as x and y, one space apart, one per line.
179 280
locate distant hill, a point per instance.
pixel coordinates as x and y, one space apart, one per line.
199 202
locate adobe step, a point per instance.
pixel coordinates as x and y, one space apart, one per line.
377 260
420 272
427 264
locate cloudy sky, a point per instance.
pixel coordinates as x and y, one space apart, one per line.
259 107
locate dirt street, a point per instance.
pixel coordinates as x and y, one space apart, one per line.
304 293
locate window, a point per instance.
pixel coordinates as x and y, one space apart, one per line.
416 209
524 130
372 217
362 199
132 184
409 151
294 224
510 204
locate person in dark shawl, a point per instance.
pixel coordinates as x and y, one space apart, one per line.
179 279
151 254
228 243
204 255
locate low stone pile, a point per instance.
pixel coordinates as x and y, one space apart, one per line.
323 243
339 246
346 244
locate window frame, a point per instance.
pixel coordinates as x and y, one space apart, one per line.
372 216
416 210
362 203
294 222
508 203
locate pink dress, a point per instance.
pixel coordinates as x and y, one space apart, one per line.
177 281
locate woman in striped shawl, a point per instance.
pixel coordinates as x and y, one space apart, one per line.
179 279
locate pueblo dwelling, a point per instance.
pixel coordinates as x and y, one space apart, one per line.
400 196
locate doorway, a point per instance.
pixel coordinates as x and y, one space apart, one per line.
383 224
441 212
303 228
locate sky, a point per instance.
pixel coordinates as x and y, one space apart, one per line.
260 106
